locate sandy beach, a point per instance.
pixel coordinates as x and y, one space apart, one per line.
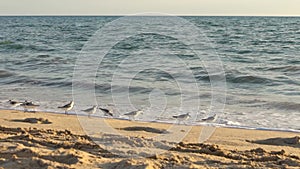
48 140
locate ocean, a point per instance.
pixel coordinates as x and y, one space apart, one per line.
260 57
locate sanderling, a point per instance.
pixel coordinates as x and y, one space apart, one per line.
15 103
210 118
182 117
107 112
28 105
133 114
67 107
90 111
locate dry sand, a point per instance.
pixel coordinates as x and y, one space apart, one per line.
47 140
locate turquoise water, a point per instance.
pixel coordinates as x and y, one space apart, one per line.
260 56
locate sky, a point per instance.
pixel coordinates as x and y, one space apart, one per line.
129 7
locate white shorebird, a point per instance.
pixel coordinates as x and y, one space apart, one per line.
67 107
210 118
90 111
28 105
15 103
133 114
107 112
182 117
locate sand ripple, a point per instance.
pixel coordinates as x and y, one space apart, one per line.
48 148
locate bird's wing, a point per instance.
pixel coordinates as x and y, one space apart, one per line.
130 113
65 106
104 110
89 109
209 118
175 116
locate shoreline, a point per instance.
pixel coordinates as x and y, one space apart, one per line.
165 122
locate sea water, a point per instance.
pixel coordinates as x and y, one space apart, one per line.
260 57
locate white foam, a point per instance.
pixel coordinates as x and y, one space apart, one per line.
241 120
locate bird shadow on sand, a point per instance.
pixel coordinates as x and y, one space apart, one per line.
292 142
33 120
146 129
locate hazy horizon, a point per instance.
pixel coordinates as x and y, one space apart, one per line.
172 7
117 15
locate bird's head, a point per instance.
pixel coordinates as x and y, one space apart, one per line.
140 111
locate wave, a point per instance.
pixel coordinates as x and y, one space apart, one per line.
235 77
4 73
242 59
43 56
58 84
40 60
284 106
249 79
49 82
6 42
273 52
244 51
107 88
293 61
40 48
23 80
288 68
11 45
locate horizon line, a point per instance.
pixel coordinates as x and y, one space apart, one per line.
213 15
